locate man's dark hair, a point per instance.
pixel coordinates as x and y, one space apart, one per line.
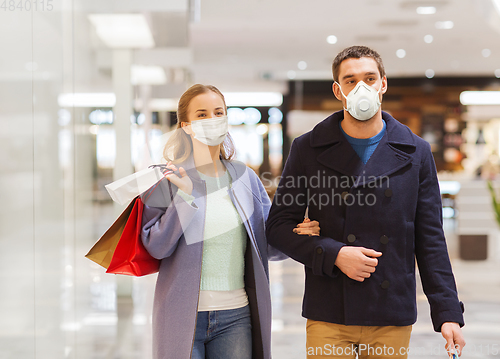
356 52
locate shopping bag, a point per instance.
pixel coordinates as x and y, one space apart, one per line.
129 187
103 249
130 256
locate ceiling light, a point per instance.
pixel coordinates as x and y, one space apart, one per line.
86 100
99 117
147 75
275 115
123 30
291 74
401 53
480 98
235 116
429 73
332 39
252 116
426 10
497 73
256 99
428 38
444 25
486 52
302 65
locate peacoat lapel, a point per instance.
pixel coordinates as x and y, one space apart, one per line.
341 157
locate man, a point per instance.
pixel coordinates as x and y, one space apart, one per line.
372 185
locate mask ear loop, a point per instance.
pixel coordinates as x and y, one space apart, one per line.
342 92
378 93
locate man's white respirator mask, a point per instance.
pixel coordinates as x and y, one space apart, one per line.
363 101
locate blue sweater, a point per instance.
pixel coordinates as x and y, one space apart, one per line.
364 147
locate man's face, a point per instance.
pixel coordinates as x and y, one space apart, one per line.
353 70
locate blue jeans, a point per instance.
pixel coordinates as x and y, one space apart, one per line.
223 334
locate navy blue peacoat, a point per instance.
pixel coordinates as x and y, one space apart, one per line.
392 205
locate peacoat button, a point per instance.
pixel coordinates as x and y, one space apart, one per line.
344 195
351 238
319 250
384 239
388 192
385 284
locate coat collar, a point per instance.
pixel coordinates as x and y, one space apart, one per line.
340 156
328 131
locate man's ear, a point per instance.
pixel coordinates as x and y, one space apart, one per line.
336 91
383 90
187 128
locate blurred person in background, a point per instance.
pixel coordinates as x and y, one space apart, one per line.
205 223
384 210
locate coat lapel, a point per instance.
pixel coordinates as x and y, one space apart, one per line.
341 157
384 161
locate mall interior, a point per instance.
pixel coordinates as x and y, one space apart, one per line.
88 95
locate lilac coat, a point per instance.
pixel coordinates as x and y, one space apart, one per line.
173 232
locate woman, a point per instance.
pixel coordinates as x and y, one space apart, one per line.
206 224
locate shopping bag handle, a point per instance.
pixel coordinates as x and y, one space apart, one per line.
153 188
163 168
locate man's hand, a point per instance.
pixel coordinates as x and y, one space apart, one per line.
308 227
454 338
357 263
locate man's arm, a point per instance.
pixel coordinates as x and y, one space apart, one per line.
288 208
432 255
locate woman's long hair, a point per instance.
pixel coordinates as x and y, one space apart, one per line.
179 146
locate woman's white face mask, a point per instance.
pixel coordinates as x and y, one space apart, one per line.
363 101
210 131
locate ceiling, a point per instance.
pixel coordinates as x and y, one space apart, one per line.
255 44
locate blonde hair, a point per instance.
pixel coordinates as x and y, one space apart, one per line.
179 146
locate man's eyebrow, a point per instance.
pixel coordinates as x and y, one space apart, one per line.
371 73
347 77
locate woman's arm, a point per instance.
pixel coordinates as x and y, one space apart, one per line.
165 217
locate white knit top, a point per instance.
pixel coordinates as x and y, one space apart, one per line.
222 273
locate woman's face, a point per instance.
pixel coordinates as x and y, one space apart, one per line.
207 105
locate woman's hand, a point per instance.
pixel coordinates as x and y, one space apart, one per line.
308 227
183 182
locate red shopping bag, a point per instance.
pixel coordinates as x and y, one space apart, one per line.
130 257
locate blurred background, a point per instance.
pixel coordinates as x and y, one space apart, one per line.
89 88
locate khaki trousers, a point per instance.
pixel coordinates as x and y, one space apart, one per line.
337 341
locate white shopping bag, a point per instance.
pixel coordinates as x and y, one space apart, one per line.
125 189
